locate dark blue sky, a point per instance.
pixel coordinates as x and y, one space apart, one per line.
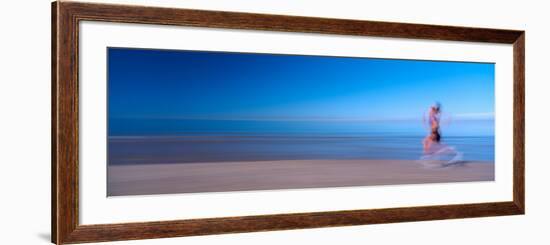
219 85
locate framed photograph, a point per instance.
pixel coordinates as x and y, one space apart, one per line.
175 122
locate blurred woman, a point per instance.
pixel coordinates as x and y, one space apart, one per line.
433 148
434 118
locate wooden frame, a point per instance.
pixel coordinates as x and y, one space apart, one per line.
65 121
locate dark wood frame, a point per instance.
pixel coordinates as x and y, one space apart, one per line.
65 121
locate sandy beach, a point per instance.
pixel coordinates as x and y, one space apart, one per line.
145 179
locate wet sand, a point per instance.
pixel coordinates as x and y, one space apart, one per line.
146 179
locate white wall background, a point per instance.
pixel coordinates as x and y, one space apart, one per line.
25 121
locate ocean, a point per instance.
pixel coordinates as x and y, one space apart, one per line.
149 141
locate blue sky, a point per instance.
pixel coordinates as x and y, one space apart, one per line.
241 86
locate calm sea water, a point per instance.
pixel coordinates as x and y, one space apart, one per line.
187 141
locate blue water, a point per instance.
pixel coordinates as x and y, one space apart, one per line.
186 141
174 127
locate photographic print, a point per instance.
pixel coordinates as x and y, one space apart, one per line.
159 115
184 121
